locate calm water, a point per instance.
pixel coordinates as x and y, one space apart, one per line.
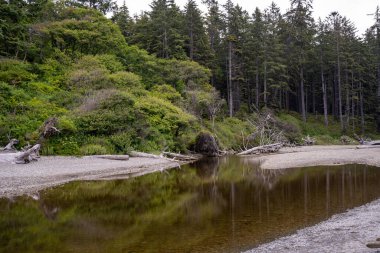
215 205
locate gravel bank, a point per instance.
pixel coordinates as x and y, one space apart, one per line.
319 155
346 232
19 179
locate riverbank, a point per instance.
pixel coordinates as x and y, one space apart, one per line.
307 156
20 179
346 232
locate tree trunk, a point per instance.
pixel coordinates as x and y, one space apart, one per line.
353 102
362 123
302 95
265 84
339 87
378 92
347 107
324 94
229 85
257 83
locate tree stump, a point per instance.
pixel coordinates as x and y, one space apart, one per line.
206 144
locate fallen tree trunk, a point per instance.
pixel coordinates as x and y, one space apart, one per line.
113 157
30 155
144 155
374 143
270 148
367 146
179 157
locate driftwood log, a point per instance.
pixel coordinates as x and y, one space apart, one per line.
270 148
308 141
113 157
144 155
164 155
371 143
10 147
179 157
27 156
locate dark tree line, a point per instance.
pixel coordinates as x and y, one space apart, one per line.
269 58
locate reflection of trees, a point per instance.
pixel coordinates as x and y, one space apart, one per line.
222 202
266 178
207 167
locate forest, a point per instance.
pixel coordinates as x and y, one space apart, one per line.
116 83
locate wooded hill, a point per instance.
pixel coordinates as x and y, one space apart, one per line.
117 83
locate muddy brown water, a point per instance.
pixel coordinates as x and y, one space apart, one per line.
214 205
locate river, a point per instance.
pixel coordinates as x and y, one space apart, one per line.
214 205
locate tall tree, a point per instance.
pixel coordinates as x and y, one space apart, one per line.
197 44
123 20
165 36
215 28
302 31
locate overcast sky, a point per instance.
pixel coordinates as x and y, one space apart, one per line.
355 10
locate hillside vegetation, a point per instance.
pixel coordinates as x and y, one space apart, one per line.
74 64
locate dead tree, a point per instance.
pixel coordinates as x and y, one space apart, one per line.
267 134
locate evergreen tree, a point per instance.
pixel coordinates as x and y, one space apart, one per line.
166 22
301 35
123 20
197 44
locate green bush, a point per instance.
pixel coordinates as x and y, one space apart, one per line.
93 149
126 79
15 72
66 125
66 146
166 92
122 142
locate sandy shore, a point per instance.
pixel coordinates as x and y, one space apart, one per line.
346 232
319 155
19 179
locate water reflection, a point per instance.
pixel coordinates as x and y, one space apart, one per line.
214 205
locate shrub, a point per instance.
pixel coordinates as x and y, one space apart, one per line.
65 124
66 146
93 149
126 79
122 142
15 72
166 92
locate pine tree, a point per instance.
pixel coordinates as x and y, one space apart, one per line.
215 28
123 20
301 29
197 44
166 22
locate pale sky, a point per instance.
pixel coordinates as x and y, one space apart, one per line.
355 10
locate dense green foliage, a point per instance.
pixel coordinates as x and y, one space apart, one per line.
67 60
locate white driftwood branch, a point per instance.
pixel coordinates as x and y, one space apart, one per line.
30 155
270 148
179 157
113 157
